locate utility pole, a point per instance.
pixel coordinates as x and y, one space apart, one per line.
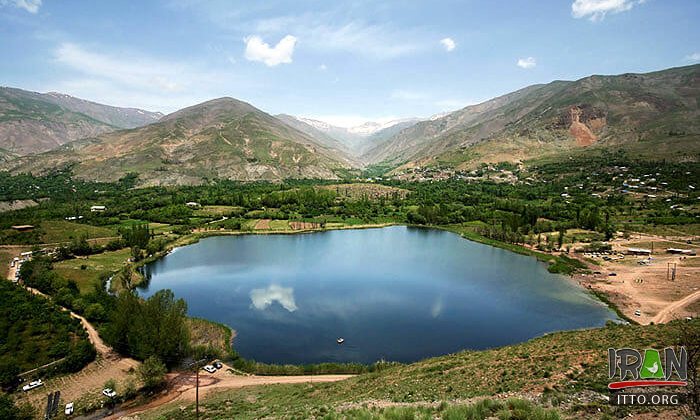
671 271
196 366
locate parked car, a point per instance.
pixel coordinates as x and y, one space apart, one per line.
109 392
218 364
33 384
638 312
209 368
69 409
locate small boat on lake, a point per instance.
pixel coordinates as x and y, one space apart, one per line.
340 340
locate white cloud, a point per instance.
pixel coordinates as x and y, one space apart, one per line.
693 57
263 298
356 37
595 10
127 78
527 63
323 67
134 71
31 6
448 43
258 50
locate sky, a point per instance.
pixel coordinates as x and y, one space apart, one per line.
344 62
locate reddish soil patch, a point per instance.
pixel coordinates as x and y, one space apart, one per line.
303 225
584 136
263 224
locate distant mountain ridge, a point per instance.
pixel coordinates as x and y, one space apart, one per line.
650 116
221 138
32 122
357 139
653 115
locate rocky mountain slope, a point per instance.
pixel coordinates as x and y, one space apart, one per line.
353 140
655 115
33 122
222 138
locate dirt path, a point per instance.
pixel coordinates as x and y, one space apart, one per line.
667 314
182 387
89 381
102 348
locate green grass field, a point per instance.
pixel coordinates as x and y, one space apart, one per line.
64 231
218 211
96 266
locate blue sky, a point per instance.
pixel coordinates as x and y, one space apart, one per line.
344 62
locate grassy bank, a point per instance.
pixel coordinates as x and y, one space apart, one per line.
209 338
560 264
559 368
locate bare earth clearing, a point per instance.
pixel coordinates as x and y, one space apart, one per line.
646 287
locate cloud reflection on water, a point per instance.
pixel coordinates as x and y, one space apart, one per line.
263 298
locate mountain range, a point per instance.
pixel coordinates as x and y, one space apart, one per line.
653 115
33 122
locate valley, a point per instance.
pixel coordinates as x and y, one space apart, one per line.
578 222
157 231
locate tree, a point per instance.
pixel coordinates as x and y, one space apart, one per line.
136 254
9 369
155 327
560 238
95 312
152 373
9 411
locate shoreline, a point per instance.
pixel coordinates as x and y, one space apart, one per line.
623 301
548 259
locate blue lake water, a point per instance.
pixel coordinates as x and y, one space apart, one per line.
397 293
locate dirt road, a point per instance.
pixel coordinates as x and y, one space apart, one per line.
89 381
102 348
667 314
182 387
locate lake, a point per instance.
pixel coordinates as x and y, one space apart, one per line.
397 293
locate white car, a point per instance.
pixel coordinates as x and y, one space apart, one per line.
638 312
33 384
209 368
69 409
109 392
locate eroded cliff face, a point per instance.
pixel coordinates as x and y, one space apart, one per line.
584 123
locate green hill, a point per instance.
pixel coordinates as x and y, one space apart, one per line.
222 138
566 370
